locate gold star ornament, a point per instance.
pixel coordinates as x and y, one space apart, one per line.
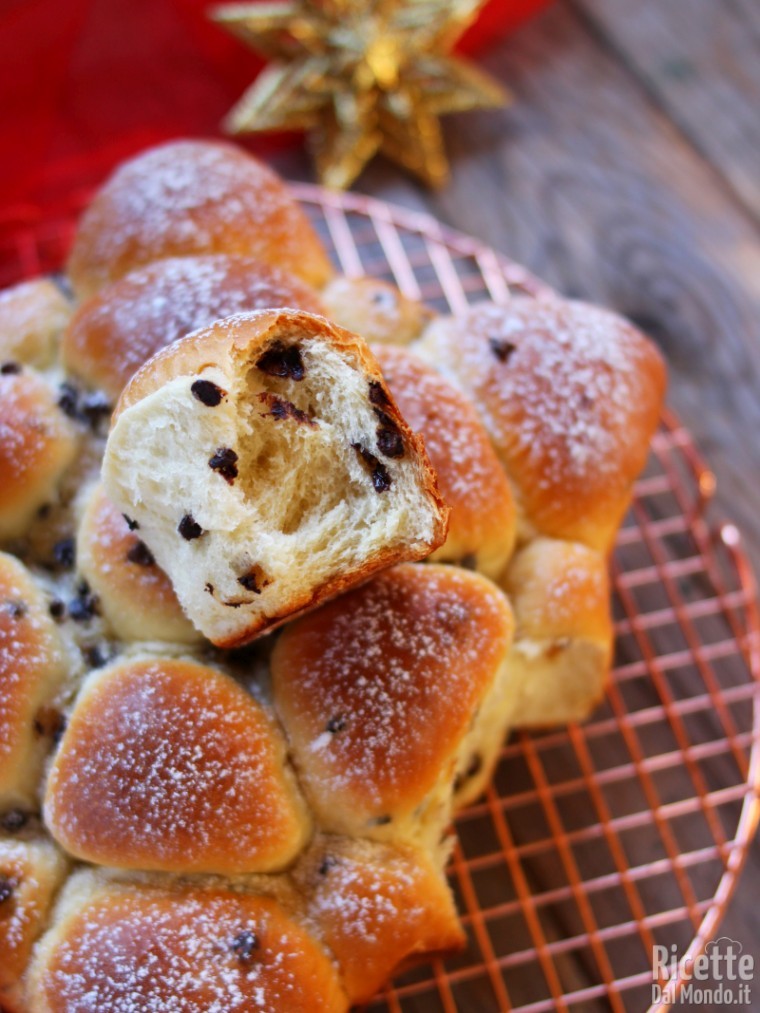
362 77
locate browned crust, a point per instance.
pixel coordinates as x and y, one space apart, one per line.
186 198
99 343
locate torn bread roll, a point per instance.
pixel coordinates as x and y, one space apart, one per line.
186 198
269 468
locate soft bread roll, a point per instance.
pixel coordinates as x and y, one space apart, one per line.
33 666
379 908
128 948
32 318
378 691
169 765
30 875
563 645
136 597
192 197
570 395
269 468
482 522
375 309
121 327
37 443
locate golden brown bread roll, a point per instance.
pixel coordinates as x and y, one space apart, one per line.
33 666
126 323
136 597
379 908
192 197
570 395
269 468
482 522
563 643
359 687
169 765
375 309
30 874
120 947
32 318
37 443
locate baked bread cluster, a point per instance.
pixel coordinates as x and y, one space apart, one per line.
207 436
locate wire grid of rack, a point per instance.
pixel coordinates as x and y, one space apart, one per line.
594 842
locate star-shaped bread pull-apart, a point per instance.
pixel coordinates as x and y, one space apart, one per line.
361 76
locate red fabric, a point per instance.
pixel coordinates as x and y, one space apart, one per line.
85 83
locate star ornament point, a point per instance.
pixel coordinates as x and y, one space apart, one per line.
360 77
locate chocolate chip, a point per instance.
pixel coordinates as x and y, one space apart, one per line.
389 441
282 360
244 945
207 392
282 409
57 609
336 724
254 580
377 394
14 820
7 886
50 723
85 605
94 407
502 349
327 863
140 554
225 462
97 656
132 525
189 528
10 368
381 480
15 608
68 400
64 553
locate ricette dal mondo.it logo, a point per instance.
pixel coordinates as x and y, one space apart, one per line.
719 977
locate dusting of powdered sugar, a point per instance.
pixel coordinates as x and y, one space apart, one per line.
383 684
165 763
368 896
164 301
468 471
557 383
158 952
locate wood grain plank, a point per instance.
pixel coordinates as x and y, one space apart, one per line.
701 61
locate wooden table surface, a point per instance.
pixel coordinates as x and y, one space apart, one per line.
627 171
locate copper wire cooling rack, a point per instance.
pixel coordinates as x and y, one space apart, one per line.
595 842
